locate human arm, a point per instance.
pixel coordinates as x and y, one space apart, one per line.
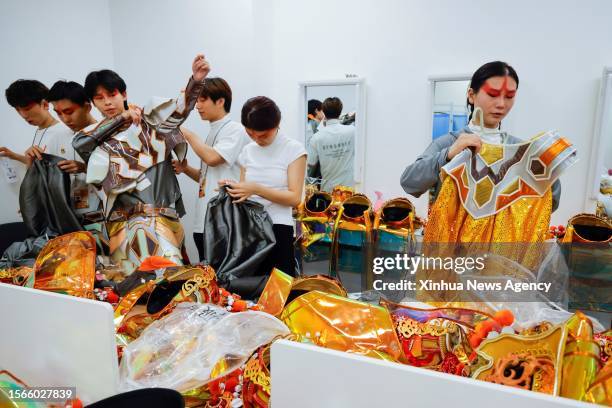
85 141
289 198
424 173
72 166
184 167
6 152
205 152
186 101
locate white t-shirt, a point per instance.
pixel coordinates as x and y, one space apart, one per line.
334 147
227 138
267 165
56 140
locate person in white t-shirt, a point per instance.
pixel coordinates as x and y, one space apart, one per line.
272 171
29 98
72 107
333 146
218 153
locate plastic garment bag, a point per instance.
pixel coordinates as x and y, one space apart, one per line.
237 238
44 199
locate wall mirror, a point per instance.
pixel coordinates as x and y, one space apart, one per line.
335 144
600 179
449 110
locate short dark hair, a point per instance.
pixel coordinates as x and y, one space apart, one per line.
217 88
70 90
260 113
23 92
313 106
332 107
105 78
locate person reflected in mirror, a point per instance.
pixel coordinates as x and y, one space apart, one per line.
272 173
493 89
29 98
315 116
218 153
333 149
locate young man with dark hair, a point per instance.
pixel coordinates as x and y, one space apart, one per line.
315 116
333 147
29 98
71 105
73 108
218 153
129 156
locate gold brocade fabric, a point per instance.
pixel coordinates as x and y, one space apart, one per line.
343 324
67 264
581 358
526 220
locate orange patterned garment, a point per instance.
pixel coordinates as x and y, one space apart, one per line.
500 194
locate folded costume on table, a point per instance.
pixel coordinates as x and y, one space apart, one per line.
133 170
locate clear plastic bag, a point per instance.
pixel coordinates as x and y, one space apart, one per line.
193 345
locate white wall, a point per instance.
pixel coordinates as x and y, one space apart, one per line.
265 47
45 40
558 48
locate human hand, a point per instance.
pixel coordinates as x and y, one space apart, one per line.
242 191
200 67
179 166
35 152
464 141
6 152
133 114
226 182
71 166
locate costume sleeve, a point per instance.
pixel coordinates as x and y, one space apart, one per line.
184 104
88 139
424 173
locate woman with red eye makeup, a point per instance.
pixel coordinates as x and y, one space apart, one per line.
492 90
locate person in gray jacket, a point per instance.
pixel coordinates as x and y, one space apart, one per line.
492 89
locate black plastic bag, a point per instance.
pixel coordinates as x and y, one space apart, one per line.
237 239
44 199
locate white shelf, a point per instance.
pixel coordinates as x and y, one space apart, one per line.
306 376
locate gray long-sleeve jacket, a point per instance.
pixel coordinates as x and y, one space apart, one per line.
424 173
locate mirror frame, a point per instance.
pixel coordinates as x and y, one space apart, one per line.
360 120
597 153
432 90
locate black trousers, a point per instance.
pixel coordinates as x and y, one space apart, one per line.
283 255
198 238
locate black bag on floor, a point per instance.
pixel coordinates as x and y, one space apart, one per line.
237 238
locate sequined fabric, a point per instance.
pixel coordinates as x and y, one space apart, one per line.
526 220
501 194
